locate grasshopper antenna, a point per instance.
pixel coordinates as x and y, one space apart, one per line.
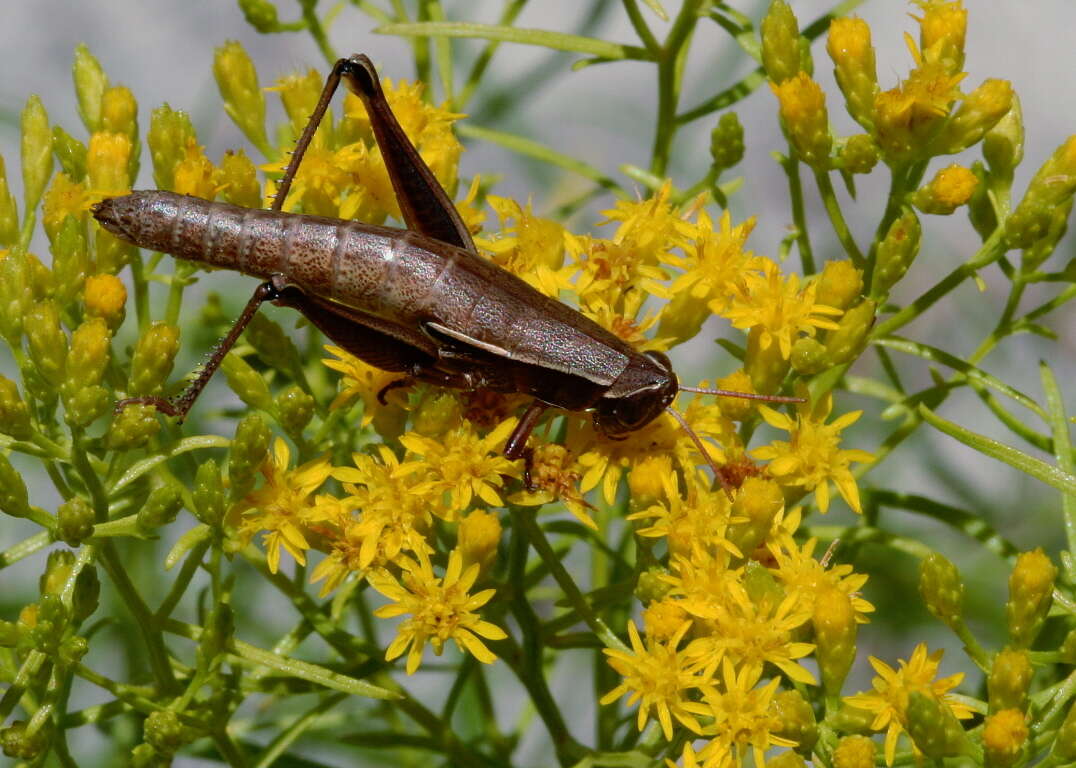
744 395
701 446
702 449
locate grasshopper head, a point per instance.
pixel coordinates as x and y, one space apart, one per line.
638 395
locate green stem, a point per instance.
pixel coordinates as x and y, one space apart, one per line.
791 166
670 72
836 218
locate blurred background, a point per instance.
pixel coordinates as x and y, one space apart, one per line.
162 50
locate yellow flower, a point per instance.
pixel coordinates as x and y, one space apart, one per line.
649 228
555 473
1004 734
811 458
803 111
463 464
64 198
749 636
778 306
605 460
950 188
440 609
360 380
656 676
281 508
611 272
392 519
105 296
742 718
195 175
889 700
528 246
699 519
807 578
107 162
942 30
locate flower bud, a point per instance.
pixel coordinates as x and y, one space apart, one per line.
933 726
294 409
436 415
70 152
133 427
16 296
766 367
803 111
108 163
780 42
847 340
849 46
477 539
1003 145
194 174
840 284
86 595
787 759
896 252
797 720
274 346
759 500
160 509
249 449
14 500
1004 736
90 346
941 589
74 521
651 587
949 189
247 382
1009 680
726 142
1031 587
851 719
208 494
239 180
1051 187
14 413
170 131
164 731
941 34
70 258
58 569
662 618
119 112
153 357
36 152
18 741
854 752
90 84
858 154
243 98
299 95
48 343
72 650
736 408
978 113
260 14
646 479
809 356
835 638
981 211
9 212
85 405
1065 741
105 297
760 585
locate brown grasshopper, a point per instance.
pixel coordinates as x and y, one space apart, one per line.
419 301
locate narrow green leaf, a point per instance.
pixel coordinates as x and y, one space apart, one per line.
1037 468
531 148
143 466
655 6
936 355
304 670
1055 409
544 38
